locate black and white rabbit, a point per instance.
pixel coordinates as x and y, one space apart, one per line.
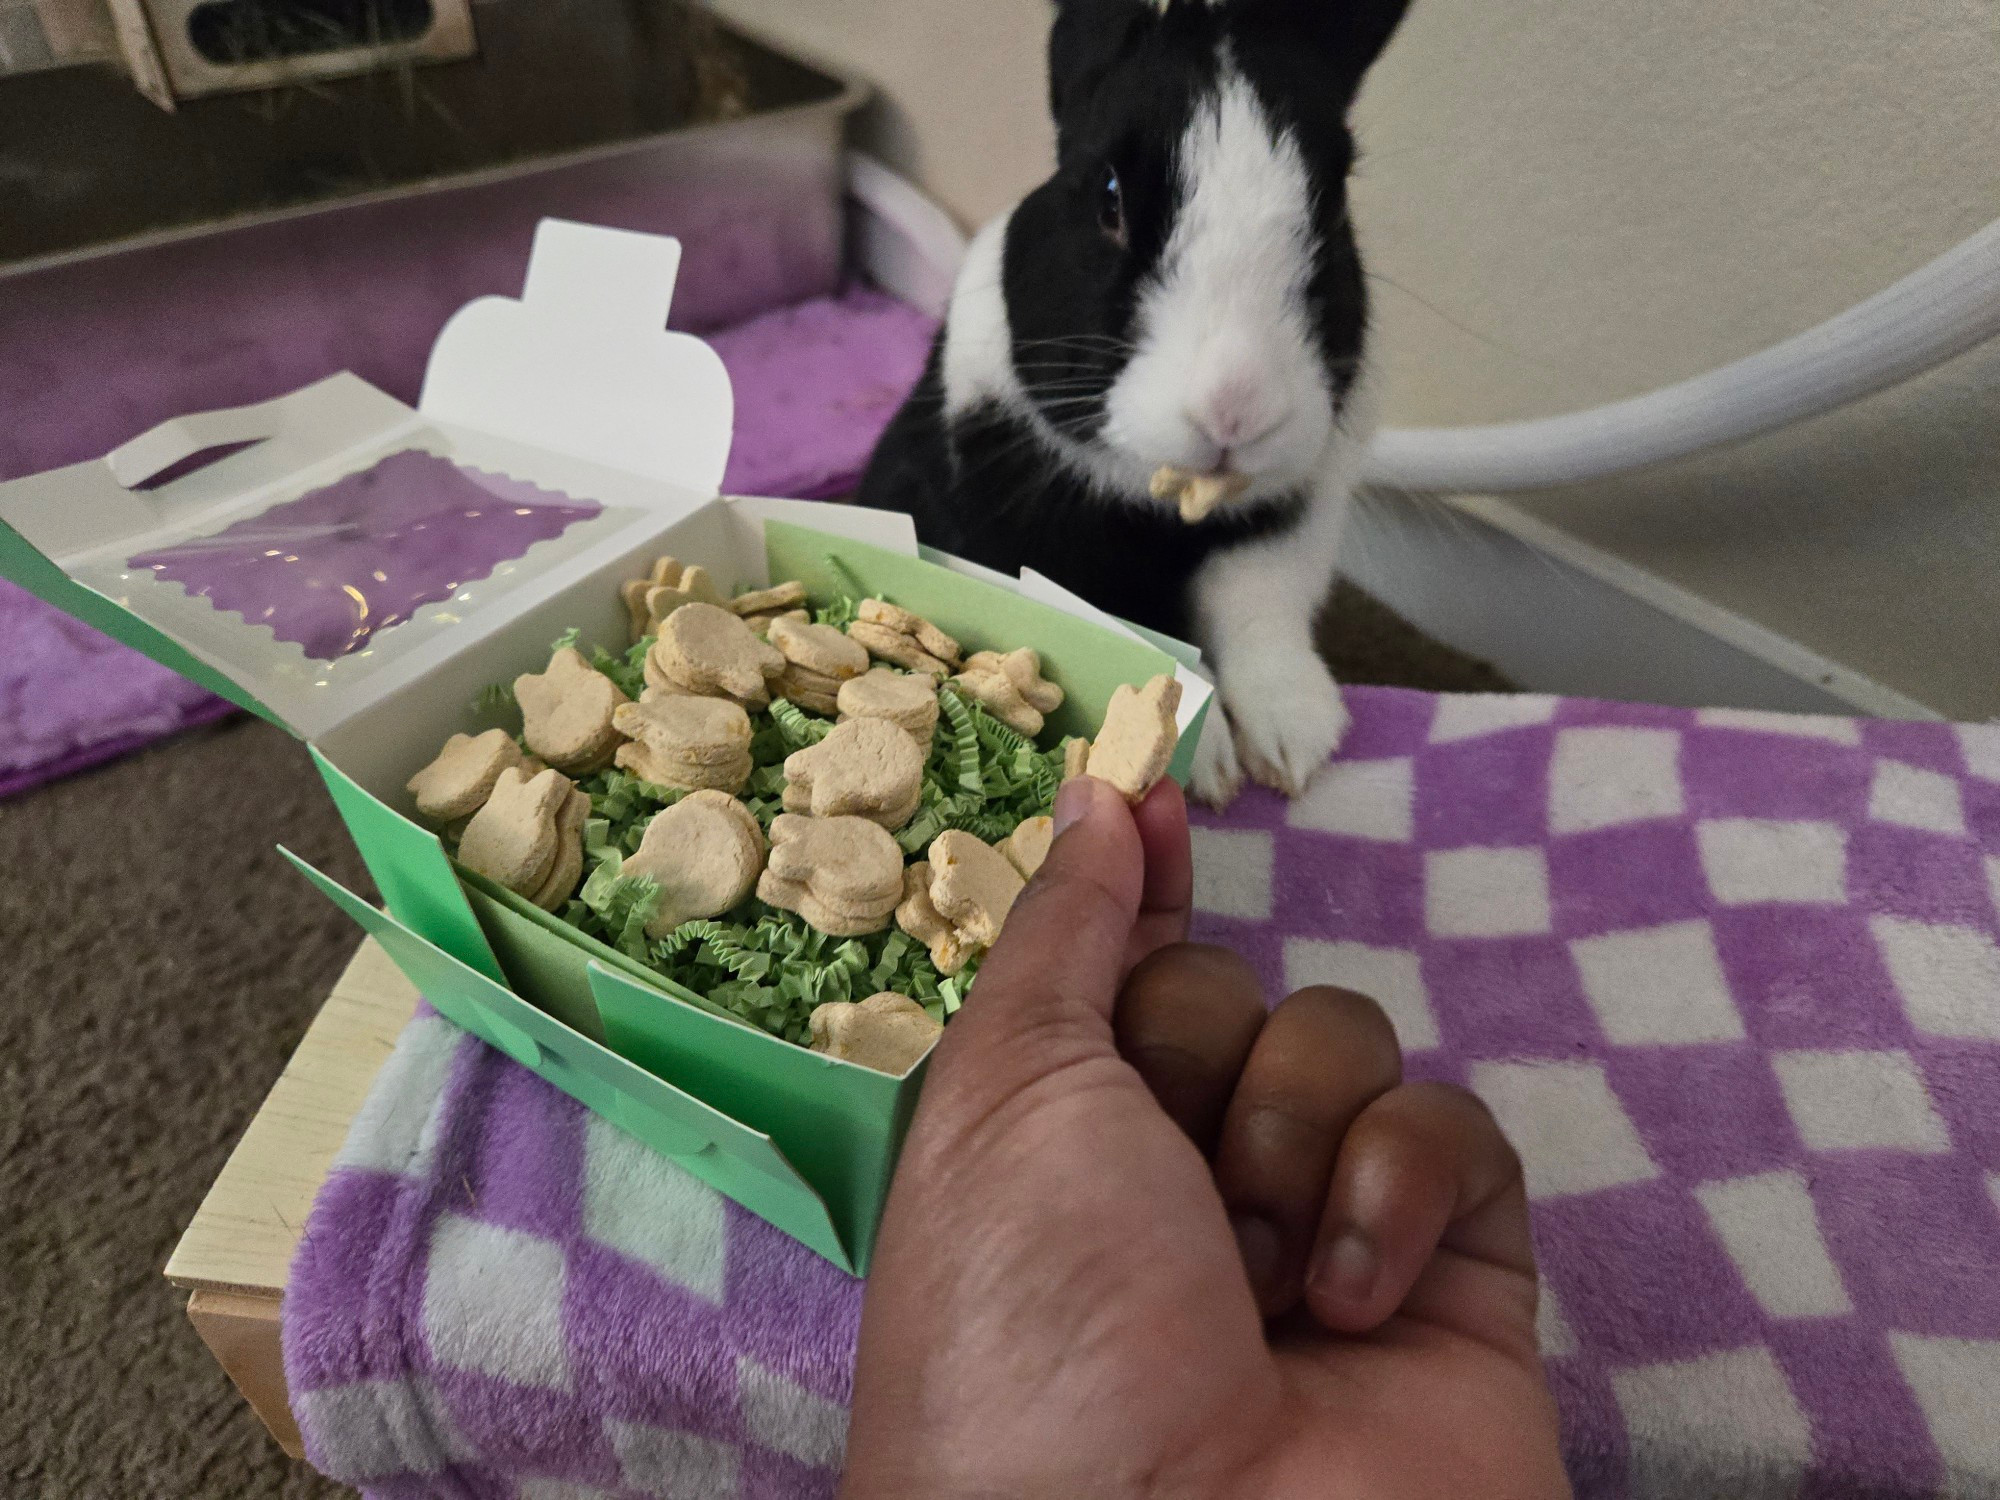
1185 290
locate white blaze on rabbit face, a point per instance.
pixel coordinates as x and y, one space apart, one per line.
1227 372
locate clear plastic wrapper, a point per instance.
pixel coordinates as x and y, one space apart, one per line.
332 568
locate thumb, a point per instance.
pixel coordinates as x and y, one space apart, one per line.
1055 972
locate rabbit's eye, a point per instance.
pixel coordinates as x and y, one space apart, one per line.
1111 206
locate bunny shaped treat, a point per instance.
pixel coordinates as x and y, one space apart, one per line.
1152 383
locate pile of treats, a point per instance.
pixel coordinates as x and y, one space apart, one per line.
782 809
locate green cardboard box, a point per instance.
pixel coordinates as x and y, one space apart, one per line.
575 388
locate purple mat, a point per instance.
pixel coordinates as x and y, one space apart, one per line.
1729 980
71 698
815 385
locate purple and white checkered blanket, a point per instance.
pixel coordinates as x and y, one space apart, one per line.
1729 980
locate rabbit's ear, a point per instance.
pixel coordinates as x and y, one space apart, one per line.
1087 40
1345 36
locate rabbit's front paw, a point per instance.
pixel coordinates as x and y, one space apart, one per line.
1288 719
1218 774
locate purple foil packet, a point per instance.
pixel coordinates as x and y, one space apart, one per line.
339 563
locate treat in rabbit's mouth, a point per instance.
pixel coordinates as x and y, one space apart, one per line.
1195 494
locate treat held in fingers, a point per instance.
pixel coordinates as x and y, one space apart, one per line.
1136 743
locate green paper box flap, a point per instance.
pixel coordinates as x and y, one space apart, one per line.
412 871
841 1125
729 1156
546 957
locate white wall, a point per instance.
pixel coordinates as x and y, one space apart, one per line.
963 108
1598 198
1568 201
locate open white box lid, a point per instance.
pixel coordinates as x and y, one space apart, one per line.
575 389
583 363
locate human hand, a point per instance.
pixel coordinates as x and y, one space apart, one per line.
1145 1240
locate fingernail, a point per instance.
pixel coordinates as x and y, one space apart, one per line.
1346 1269
1257 1241
1073 799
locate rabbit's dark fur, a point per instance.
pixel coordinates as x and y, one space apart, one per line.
1184 290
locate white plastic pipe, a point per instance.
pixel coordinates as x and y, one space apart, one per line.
1942 310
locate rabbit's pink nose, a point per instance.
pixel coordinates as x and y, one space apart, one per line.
1236 415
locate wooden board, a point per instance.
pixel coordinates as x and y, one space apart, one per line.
241 1331
243 1235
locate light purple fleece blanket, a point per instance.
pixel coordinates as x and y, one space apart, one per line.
1729 980
815 385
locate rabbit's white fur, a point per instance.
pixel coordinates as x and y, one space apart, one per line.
1222 339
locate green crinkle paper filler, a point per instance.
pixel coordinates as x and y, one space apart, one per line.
627 804
771 969
840 614
612 905
764 965
629 670
494 698
965 741
798 729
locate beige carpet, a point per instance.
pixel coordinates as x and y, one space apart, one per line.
158 962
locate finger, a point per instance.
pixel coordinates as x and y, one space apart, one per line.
1055 972
1186 1021
1320 1059
1424 1167
1167 902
